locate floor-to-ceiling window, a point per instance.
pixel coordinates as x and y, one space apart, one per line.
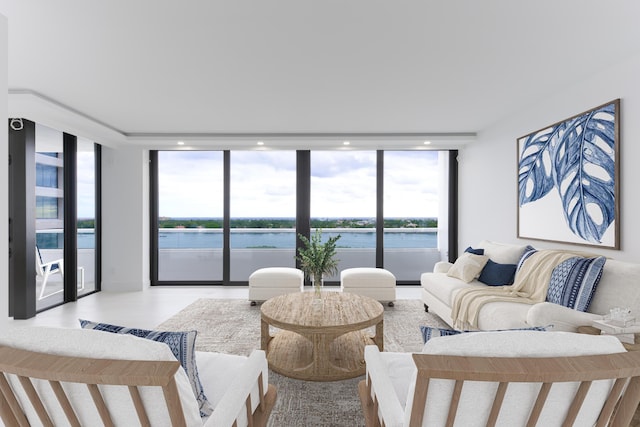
413 196
49 226
386 205
87 238
262 211
190 211
343 201
54 194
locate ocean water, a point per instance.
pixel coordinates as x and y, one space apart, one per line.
240 239
170 239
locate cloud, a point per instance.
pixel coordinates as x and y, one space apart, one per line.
190 183
86 181
263 184
332 163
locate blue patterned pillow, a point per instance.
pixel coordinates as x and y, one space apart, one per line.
528 251
573 282
429 332
182 345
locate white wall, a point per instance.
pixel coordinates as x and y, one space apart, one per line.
488 176
125 219
4 176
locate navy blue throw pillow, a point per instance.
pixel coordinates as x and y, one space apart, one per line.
471 250
494 274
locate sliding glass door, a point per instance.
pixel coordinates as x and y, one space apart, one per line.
190 211
54 228
343 201
413 195
49 226
262 211
87 231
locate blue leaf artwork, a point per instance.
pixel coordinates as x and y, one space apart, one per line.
577 158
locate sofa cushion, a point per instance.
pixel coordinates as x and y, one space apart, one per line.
429 332
502 253
524 343
467 267
494 274
401 368
618 287
476 399
217 371
573 282
503 315
443 286
181 344
95 344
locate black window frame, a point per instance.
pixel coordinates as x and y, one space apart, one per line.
303 214
22 220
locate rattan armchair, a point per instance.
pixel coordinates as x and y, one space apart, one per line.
450 390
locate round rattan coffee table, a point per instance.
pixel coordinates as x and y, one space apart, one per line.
320 342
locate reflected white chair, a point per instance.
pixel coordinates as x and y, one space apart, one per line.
45 270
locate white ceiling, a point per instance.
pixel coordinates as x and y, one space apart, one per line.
154 68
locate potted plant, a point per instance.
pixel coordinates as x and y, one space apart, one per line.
317 258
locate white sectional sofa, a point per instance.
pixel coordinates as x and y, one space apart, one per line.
619 286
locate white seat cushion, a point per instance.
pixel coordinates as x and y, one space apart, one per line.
216 372
502 253
277 277
443 287
505 315
476 398
401 370
366 277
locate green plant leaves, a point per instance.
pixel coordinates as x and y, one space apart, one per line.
317 259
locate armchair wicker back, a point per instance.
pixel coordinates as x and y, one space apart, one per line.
618 405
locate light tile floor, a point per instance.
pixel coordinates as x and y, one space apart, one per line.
148 308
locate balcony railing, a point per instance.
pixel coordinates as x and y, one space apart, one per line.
196 254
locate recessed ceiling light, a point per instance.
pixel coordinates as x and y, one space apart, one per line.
180 142
346 143
260 143
427 143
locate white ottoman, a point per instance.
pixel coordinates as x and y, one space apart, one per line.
376 283
270 282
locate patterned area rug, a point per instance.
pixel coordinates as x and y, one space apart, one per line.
233 326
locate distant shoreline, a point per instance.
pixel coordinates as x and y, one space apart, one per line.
291 230
290 223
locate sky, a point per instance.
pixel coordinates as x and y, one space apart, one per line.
343 184
86 190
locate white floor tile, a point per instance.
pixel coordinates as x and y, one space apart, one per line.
146 309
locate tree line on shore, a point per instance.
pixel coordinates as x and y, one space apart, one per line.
284 223
291 222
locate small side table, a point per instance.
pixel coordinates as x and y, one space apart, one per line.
590 330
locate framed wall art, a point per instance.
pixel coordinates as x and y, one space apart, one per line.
568 180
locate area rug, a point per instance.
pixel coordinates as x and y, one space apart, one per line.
233 326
